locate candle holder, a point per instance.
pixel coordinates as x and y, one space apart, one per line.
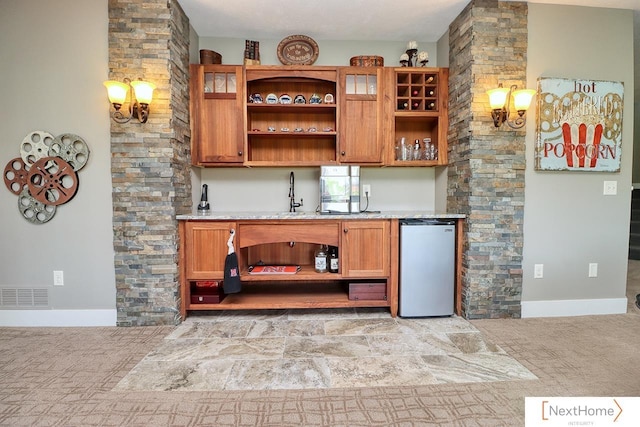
423 58
411 53
404 59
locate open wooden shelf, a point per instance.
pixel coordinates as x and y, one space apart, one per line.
275 295
307 272
277 148
288 108
292 134
420 111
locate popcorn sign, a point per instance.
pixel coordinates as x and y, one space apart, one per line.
579 125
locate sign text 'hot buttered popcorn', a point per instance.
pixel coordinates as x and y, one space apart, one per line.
579 125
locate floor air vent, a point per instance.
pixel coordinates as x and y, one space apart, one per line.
24 298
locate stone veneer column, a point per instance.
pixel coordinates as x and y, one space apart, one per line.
150 163
488 45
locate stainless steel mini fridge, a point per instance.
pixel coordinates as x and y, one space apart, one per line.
427 268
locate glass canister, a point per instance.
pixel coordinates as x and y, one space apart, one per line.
416 155
427 153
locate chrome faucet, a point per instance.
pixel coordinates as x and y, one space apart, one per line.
292 197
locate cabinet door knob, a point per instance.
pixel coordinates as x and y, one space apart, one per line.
346 230
239 153
343 152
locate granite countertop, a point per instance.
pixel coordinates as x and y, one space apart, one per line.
213 215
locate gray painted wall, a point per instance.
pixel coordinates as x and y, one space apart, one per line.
54 60
568 222
331 52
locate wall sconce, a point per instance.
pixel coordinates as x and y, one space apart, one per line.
500 101
119 93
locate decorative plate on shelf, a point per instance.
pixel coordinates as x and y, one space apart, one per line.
272 98
298 50
284 99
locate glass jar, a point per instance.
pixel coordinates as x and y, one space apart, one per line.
401 149
321 260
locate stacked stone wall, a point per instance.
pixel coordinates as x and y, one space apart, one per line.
488 45
150 161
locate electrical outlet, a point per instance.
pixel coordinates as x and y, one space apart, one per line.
58 278
538 271
366 190
610 188
593 269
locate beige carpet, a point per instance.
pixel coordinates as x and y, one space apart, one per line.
67 376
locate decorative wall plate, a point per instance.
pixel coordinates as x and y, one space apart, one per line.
298 50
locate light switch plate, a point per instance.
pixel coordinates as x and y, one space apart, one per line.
593 269
538 271
58 278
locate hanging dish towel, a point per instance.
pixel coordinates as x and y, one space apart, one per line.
231 283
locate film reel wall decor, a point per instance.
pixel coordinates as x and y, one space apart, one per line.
46 173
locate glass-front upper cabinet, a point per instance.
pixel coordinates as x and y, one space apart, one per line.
217 112
361 112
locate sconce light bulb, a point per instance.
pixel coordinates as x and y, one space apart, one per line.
522 99
117 92
498 97
143 91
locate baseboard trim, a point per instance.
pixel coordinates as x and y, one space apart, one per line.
59 318
579 307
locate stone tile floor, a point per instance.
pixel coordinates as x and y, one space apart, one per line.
302 349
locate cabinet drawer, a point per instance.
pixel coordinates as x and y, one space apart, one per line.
324 232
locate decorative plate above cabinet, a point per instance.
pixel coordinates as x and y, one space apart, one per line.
298 50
